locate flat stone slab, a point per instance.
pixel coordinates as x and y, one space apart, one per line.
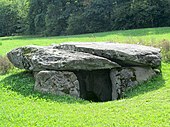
123 54
37 58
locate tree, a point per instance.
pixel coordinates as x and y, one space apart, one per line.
61 17
36 16
141 14
98 15
76 24
22 7
52 19
8 19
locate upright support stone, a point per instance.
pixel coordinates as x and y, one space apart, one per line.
57 82
128 77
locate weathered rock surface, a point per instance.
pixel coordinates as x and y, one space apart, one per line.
92 71
45 58
57 82
123 54
128 77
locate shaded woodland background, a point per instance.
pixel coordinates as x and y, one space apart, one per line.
65 17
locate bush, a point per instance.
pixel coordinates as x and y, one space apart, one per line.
5 65
165 49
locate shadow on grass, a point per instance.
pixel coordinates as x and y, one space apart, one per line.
23 84
154 84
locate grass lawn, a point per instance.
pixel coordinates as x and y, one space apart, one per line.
148 36
148 105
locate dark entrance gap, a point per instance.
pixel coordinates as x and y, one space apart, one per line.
95 85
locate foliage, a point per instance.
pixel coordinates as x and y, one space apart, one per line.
5 65
55 23
62 17
141 14
97 17
76 24
13 17
165 47
22 7
8 19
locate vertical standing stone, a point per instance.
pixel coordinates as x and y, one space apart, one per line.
57 82
128 77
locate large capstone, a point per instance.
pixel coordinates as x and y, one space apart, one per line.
36 58
123 54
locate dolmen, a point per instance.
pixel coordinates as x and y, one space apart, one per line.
97 71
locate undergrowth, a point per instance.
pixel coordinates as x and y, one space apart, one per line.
164 45
5 65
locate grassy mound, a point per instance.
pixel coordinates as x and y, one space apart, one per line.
146 105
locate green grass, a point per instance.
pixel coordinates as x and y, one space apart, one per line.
148 36
147 105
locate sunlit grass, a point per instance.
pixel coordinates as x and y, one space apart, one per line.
147 105
147 36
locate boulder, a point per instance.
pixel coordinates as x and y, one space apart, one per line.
123 54
93 71
57 82
36 58
128 77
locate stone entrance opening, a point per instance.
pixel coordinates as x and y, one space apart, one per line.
95 85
